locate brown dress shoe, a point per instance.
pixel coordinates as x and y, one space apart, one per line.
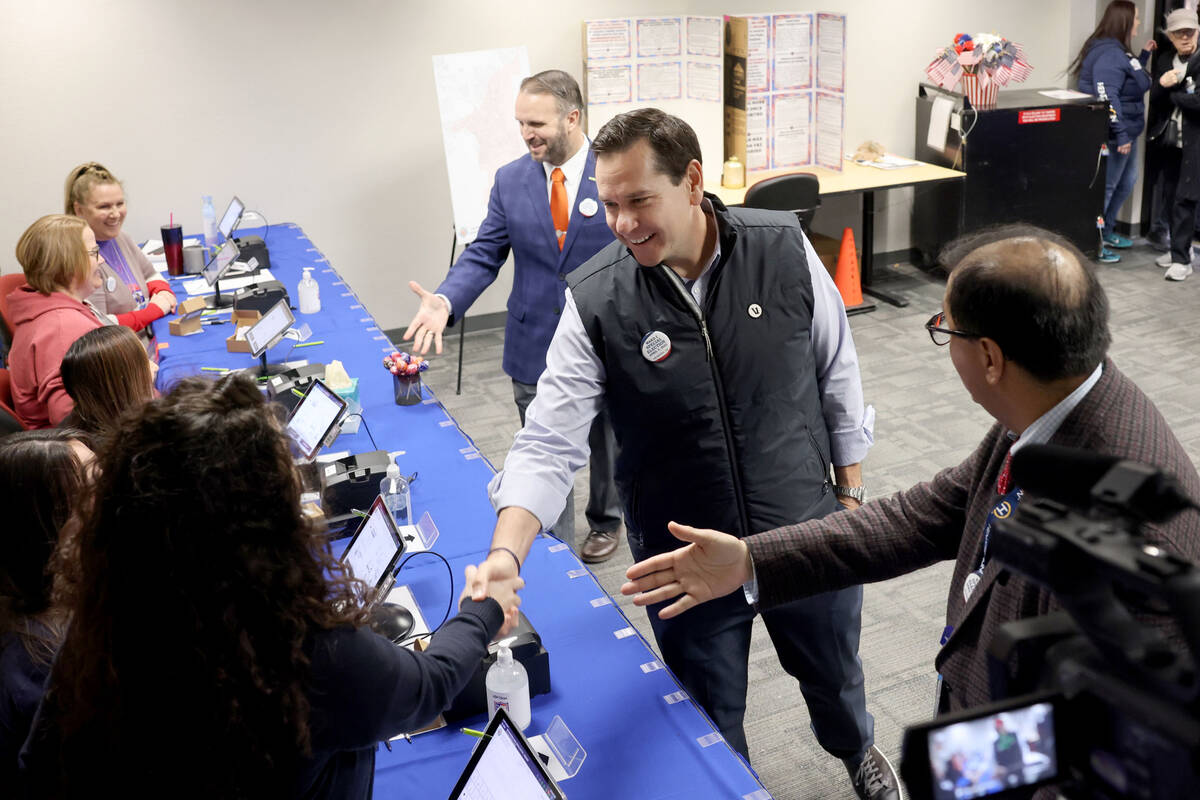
598 546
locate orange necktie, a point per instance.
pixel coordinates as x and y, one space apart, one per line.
558 205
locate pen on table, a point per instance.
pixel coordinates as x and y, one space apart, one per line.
311 344
213 369
475 733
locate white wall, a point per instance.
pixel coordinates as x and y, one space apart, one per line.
325 113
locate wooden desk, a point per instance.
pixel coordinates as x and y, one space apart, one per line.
853 179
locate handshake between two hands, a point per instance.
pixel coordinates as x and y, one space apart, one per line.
713 564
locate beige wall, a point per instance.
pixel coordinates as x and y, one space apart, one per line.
325 114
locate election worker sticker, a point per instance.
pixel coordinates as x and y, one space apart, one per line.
588 207
111 283
656 346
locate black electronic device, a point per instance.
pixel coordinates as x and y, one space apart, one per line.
315 420
253 247
350 483
503 764
371 557
221 262
526 646
261 296
289 386
1123 697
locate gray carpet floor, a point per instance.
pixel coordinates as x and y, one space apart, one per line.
926 421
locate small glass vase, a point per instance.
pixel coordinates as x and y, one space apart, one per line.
408 389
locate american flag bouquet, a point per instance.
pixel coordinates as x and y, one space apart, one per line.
983 63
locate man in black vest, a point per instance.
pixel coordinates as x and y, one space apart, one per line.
730 377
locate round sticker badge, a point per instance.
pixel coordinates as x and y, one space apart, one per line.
755 311
656 346
588 207
111 283
969 585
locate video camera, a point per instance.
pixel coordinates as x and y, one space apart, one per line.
1101 703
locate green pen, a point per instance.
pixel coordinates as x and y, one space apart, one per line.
475 733
311 344
213 369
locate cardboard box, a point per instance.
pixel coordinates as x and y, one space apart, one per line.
188 320
241 318
828 249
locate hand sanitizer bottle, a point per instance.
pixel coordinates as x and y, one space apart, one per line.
508 688
309 292
210 225
395 494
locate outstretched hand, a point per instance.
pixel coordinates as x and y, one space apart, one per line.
429 321
712 565
481 584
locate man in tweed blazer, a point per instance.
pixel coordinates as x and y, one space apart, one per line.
1026 322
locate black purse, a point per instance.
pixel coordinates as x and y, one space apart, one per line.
1166 134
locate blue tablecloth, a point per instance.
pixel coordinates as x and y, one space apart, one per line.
642 738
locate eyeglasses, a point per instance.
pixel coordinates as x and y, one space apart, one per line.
941 335
94 253
1185 33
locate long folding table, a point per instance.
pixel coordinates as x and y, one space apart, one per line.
643 736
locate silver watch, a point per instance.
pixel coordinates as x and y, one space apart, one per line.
859 493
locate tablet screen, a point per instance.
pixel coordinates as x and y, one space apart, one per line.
314 417
372 553
231 216
224 257
503 765
274 323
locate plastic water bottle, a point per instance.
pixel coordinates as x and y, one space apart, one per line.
210 224
309 292
395 494
508 688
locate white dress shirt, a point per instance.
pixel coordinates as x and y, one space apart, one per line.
541 465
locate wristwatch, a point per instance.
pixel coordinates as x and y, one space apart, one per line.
859 493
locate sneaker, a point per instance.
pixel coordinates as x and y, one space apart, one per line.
1178 272
1107 256
1117 240
1164 260
1159 241
874 778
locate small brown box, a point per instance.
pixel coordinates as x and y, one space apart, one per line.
188 320
241 318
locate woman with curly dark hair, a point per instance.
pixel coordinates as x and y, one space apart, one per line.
42 483
217 648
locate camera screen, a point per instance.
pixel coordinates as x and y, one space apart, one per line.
993 754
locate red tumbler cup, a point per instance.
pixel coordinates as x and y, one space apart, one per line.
172 238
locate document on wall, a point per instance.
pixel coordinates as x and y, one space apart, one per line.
609 38
939 122
830 121
659 81
831 52
791 113
476 91
758 153
704 37
792 51
758 63
704 81
610 84
658 37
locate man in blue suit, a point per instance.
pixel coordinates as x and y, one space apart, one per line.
531 199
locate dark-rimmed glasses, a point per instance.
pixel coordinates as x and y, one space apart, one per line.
940 334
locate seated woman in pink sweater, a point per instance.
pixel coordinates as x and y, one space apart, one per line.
131 288
49 312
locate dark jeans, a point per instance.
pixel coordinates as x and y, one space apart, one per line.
816 639
1119 179
604 505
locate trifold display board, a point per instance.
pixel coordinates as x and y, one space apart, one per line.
769 89
672 63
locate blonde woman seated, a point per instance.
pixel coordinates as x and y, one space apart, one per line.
50 311
130 289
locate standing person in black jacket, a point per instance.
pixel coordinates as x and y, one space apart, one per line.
1107 67
1180 84
216 647
1164 142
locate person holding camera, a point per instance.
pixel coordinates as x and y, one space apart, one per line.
1026 324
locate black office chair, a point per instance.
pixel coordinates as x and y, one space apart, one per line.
798 192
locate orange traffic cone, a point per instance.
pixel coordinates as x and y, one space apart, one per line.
846 278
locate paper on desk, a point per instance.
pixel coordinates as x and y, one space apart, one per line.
199 286
939 122
886 161
1063 94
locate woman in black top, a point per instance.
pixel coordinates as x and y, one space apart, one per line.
217 649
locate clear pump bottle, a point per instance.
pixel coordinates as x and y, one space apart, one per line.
508 688
309 293
396 494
